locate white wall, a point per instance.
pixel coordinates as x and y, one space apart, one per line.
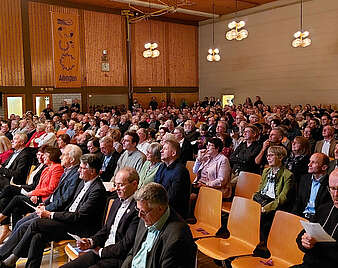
265 63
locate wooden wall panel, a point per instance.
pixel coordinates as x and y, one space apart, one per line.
105 32
41 41
183 55
11 44
190 98
145 98
149 71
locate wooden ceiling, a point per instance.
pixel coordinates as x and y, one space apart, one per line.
222 7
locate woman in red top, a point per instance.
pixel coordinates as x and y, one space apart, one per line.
49 180
5 148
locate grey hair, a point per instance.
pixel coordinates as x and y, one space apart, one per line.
131 172
75 153
152 193
107 139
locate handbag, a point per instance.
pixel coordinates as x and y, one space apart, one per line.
262 199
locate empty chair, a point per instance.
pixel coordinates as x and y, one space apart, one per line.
207 213
281 243
243 225
190 165
246 186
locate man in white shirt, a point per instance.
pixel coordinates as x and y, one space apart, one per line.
327 145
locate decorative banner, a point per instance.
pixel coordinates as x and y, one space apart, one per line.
66 50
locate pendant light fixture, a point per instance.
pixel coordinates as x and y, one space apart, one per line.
213 52
151 48
301 38
235 33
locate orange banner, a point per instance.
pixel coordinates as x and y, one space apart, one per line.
66 50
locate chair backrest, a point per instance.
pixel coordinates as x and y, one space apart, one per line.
110 203
190 165
244 220
282 238
208 207
247 184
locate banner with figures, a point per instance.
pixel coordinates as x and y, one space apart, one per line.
66 50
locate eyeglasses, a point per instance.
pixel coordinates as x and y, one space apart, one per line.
143 213
332 189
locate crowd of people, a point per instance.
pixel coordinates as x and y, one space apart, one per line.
54 166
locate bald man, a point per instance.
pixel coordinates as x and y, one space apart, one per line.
320 254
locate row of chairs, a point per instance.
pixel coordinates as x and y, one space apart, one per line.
244 227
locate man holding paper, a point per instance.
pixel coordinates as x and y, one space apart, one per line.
323 254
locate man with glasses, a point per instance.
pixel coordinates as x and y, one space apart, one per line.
113 242
82 216
163 239
312 190
323 254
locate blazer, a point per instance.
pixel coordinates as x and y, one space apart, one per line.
304 191
86 220
49 180
174 246
218 174
109 172
125 233
65 190
319 146
19 169
332 166
36 179
283 187
187 152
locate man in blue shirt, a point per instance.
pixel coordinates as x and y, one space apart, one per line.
175 178
312 191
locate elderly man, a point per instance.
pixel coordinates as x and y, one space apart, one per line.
312 190
321 254
131 157
327 145
110 157
174 177
163 239
113 242
60 198
17 166
81 216
185 146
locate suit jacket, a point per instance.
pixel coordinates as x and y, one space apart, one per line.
304 191
86 219
187 152
19 169
109 172
319 146
174 246
332 166
125 233
36 180
65 190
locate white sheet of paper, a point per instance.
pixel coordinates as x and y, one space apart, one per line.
316 231
29 205
76 237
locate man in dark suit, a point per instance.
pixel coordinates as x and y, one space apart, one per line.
61 197
163 239
17 166
81 217
110 157
113 242
187 149
312 191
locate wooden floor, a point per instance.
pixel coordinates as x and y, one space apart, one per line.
60 258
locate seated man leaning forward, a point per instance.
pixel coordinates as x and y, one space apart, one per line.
322 254
113 242
163 239
82 216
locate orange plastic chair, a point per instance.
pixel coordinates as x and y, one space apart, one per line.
243 224
190 165
246 186
69 252
281 243
207 213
